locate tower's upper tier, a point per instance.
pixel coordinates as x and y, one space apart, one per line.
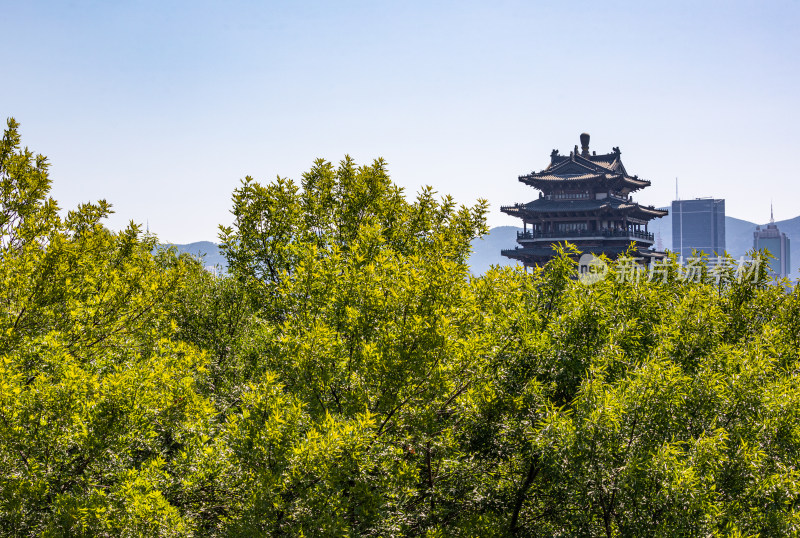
585 171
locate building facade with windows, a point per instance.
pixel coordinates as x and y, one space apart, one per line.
584 199
776 242
699 225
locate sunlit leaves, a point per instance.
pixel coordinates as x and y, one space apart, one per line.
349 377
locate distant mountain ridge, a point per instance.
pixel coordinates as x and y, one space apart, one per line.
486 250
738 234
738 241
205 251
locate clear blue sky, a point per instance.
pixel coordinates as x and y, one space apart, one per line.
162 107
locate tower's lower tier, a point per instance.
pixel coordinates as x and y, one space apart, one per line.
539 253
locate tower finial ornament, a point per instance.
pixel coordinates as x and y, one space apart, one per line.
771 215
585 144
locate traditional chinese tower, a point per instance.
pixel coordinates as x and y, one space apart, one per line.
585 199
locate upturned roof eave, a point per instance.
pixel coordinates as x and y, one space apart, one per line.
549 180
564 207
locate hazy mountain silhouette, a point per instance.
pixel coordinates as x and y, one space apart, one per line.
486 250
206 251
738 241
738 234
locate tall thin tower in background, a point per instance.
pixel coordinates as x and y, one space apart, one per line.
677 197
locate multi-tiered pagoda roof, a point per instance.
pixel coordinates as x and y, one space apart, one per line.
585 199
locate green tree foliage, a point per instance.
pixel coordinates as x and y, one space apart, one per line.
349 377
96 400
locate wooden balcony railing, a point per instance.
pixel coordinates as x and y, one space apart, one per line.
604 232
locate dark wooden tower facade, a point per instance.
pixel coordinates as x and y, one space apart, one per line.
585 199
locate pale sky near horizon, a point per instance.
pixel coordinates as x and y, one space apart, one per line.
162 107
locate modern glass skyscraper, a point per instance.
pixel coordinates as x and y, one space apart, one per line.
698 225
777 243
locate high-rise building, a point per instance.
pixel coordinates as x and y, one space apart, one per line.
585 199
699 225
777 244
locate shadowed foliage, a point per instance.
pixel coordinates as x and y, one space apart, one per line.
349 377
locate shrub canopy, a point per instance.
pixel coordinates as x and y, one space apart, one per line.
349 376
